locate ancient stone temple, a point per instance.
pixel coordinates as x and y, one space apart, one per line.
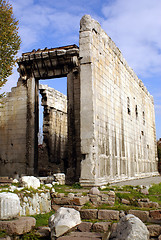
105 133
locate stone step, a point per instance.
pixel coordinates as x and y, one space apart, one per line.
81 236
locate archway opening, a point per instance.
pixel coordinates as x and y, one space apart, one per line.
53 134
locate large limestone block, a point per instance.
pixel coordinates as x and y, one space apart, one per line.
9 205
130 228
30 181
63 220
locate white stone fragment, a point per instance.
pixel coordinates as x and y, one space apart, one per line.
15 181
9 205
52 190
12 188
30 181
60 178
63 220
94 191
102 187
130 228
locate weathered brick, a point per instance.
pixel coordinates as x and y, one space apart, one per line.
108 214
101 226
85 226
80 200
88 213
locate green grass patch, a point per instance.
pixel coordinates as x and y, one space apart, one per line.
2 233
155 189
42 219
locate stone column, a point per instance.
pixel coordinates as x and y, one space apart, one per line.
73 112
32 125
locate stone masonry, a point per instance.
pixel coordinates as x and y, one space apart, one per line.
54 129
110 114
118 139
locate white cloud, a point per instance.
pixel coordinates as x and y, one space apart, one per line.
135 27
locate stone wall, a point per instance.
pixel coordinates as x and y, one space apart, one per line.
118 138
13 127
54 129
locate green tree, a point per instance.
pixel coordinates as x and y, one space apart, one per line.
9 41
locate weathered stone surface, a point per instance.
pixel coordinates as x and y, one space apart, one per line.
9 205
18 226
35 203
62 201
78 208
82 236
43 232
142 215
101 226
85 226
95 199
147 204
155 214
125 201
71 195
63 220
130 228
89 213
94 191
108 215
60 178
154 230
80 200
144 191
30 181
94 44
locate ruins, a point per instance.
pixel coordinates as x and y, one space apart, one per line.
105 133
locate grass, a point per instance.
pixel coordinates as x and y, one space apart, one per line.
2 233
155 189
42 219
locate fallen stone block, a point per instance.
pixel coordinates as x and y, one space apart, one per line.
30 181
130 228
89 213
18 226
108 214
85 226
63 220
142 215
154 230
101 226
9 205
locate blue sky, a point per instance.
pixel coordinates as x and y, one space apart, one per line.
134 25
